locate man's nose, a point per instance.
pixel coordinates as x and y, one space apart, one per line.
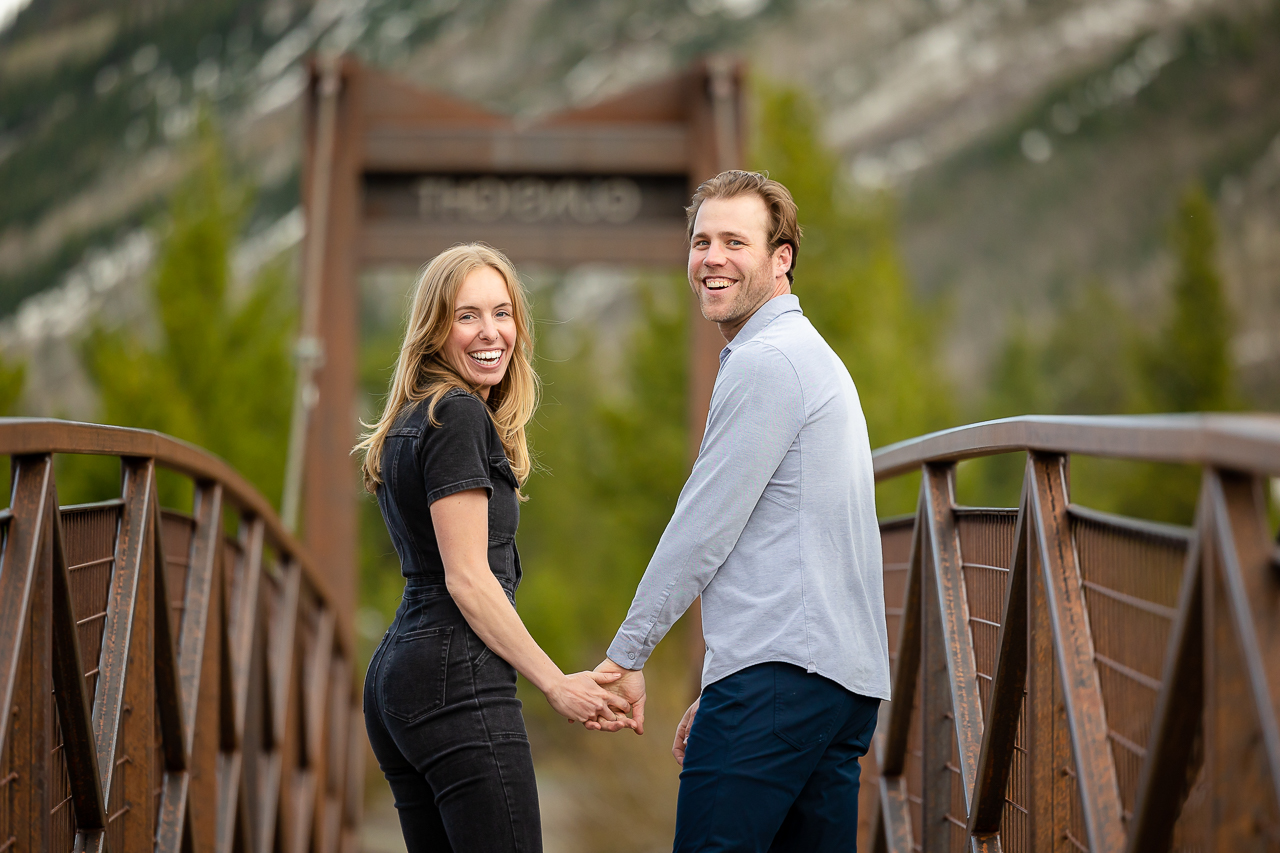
715 255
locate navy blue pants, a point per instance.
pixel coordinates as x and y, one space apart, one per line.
772 764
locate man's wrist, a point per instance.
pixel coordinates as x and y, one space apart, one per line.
626 655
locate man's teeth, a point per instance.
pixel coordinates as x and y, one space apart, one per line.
717 283
487 356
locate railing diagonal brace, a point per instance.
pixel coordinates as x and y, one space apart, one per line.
32 481
281 652
906 673
962 671
1240 535
71 692
995 759
1073 648
108 702
169 703
1166 775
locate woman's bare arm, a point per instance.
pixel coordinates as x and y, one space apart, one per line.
461 523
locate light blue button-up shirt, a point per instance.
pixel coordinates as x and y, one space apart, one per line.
776 527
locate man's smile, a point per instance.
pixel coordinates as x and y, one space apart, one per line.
717 282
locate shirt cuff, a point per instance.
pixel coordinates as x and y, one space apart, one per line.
627 653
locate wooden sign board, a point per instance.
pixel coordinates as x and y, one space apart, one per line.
395 173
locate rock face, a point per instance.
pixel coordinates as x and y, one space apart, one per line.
1033 143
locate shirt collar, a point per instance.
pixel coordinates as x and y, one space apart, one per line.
765 314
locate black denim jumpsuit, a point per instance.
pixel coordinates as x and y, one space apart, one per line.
440 707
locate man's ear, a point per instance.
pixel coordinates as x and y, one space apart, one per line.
782 259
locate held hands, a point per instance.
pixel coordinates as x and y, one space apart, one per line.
582 697
682 732
629 685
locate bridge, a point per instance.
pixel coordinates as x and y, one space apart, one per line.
1063 678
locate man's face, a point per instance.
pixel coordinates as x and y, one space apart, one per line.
731 269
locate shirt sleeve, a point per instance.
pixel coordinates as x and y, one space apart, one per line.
455 454
757 410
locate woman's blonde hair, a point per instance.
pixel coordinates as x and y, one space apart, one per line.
422 373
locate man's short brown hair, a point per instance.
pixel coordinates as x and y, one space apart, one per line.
783 225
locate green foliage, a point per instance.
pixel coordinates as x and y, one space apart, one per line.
219 374
611 464
852 284
1188 366
1095 360
13 378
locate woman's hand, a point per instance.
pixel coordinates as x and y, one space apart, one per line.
581 696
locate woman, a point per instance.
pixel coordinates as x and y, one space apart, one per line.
446 460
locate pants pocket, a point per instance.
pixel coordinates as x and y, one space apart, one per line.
803 714
413 674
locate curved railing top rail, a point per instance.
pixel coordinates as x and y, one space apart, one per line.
1238 441
49 435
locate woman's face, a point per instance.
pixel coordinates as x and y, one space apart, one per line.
484 330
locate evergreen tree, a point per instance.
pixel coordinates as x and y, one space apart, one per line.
219 374
1188 365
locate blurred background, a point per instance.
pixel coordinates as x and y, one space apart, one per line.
1010 207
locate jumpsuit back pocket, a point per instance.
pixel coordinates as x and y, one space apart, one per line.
413 675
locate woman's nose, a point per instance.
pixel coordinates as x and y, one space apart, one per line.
488 329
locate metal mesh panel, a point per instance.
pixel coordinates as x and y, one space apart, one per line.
913 769
1132 572
986 546
177 529
62 819
957 814
8 814
895 548
90 541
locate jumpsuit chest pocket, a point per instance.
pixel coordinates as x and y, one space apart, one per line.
504 505
413 673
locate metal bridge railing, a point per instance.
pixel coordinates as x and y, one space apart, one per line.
1066 679
168 680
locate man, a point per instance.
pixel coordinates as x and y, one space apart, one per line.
776 530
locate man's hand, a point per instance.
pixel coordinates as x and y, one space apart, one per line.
682 731
630 686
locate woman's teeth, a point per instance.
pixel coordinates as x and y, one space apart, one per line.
487 357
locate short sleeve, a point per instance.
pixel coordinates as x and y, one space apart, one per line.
455 454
